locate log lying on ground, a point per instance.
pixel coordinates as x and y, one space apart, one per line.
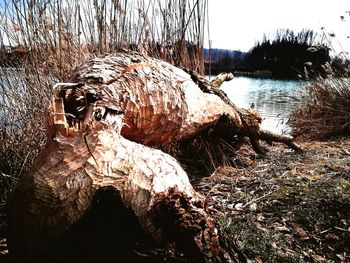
105 120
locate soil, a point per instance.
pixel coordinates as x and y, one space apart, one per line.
284 207
287 206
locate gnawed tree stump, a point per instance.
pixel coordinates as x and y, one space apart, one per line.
105 120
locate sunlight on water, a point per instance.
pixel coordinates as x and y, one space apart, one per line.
274 99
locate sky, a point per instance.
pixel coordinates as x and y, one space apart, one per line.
239 24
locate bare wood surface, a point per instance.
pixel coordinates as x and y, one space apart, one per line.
149 181
115 108
221 78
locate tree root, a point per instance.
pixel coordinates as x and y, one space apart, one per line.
107 122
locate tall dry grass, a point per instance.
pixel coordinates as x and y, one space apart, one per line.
23 123
326 112
54 37
59 35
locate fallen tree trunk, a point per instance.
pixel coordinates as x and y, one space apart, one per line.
104 120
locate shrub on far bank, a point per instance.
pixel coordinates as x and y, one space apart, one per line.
326 111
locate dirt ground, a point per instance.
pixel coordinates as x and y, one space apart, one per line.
285 207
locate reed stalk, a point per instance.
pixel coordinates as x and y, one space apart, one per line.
326 112
48 39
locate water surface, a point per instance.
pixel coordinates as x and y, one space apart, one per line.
274 99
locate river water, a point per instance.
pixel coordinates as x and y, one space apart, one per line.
274 99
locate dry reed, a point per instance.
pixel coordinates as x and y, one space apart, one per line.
54 37
326 112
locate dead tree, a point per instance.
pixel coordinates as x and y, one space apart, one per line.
107 123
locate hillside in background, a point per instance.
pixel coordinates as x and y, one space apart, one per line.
219 60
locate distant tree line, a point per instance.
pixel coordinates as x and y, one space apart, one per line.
288 55
222 60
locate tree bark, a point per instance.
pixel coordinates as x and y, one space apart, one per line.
104 121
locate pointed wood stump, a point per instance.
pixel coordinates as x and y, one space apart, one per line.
105 121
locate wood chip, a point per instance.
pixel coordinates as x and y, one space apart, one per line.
283 229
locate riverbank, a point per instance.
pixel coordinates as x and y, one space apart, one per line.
285 207
254 74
